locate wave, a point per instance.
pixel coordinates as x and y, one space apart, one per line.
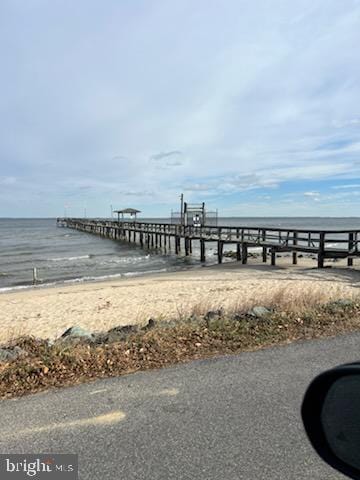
14 288
81 280
70 259
126 260
145 272
113 275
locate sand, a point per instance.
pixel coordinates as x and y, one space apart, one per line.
48 312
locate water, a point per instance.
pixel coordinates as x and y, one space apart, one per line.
62 255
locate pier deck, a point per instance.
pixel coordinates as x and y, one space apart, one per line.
325 244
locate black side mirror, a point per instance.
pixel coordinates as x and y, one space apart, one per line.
331 416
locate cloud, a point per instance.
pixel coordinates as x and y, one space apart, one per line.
346 186
162 155
272 102
7 181
173 163
313 195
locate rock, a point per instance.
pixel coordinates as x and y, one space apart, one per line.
76 332
11 353
116 334
124 329
229 254
169 323
345 302
150 325
260 312
75 335
212 314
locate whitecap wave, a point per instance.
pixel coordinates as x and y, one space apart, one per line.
126 260
15 288
69 259
136 274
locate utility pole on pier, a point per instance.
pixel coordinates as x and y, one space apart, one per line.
182 208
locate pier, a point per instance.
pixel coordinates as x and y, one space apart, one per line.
325 244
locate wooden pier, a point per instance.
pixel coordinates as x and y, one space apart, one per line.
325 244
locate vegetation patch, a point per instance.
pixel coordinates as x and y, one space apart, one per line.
31 365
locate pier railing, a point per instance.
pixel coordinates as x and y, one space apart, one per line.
323 243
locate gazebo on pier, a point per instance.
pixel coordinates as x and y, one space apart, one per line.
127 211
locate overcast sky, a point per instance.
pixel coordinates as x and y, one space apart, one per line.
251 106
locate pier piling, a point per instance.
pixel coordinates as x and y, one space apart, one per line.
329 244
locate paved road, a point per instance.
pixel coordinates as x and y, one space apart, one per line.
225 419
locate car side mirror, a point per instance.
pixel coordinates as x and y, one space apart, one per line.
331 417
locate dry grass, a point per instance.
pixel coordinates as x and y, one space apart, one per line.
46 366
285 299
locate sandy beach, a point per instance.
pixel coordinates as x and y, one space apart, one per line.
47 312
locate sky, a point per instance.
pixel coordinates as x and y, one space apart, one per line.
251 106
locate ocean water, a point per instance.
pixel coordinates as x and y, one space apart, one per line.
63 255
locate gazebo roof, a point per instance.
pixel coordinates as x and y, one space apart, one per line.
128 210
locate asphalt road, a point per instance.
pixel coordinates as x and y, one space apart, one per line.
225 419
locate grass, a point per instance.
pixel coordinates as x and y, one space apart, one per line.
191 336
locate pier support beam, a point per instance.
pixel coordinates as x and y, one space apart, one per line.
351 248
264 249
202 250
238 252
294 255
244 253
321 253
294 258
273 257
186 240
220 250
